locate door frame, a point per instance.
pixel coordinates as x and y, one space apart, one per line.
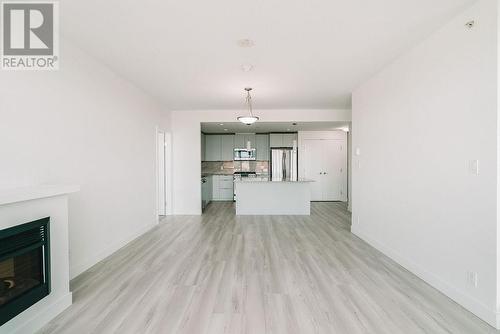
163 172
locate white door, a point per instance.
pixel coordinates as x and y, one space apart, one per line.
334 170
313 167
161 175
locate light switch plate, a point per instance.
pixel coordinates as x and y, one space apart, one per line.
474 167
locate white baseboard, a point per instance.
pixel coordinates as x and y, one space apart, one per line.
478 308
79 268
34 324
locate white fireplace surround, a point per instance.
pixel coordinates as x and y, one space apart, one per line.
23 205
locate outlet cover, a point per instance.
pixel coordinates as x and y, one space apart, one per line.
474 167
472 279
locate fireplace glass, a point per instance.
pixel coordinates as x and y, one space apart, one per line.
24 267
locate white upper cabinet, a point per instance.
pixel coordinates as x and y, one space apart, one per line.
227 147
282 139
213 145
262 146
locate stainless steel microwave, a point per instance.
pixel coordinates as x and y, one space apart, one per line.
244 154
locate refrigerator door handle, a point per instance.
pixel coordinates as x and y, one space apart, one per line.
284 164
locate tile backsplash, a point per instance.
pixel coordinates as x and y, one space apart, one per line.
217 167
261 167
229 167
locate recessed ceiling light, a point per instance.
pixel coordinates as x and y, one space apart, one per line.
225 129
246 43
221 124
287 129
246 67
470 24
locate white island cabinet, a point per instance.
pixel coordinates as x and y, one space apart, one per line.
273 197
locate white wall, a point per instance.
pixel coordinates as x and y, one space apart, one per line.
418 123
186 146
83 125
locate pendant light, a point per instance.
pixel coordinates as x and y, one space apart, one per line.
250 118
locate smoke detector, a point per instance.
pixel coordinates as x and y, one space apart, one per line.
246 43
246 67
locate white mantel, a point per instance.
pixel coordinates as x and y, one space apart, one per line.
14 195
22 205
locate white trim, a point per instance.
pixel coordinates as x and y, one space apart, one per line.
478 308
79 268
168 173
35 323
161 169
157 193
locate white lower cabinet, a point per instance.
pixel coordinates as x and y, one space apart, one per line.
222 188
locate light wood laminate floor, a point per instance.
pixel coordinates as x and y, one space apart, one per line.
219 274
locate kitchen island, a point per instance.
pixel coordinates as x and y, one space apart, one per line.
262 197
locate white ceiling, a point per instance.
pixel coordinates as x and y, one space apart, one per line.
266 127
307 54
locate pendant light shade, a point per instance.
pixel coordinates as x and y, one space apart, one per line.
250 118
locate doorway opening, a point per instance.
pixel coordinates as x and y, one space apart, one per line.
163 145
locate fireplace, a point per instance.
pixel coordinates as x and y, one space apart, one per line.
24 267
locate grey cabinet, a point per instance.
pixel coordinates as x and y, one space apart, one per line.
288 139
227 147
250 138
276 140
213 147
206 191
203 147
222 188
241 139
218 147
282 139
262 146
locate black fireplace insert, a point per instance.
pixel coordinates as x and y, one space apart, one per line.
24 267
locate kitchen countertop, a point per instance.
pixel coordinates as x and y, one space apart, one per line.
252 180
231 174
218 173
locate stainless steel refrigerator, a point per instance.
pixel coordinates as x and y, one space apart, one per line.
284 164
